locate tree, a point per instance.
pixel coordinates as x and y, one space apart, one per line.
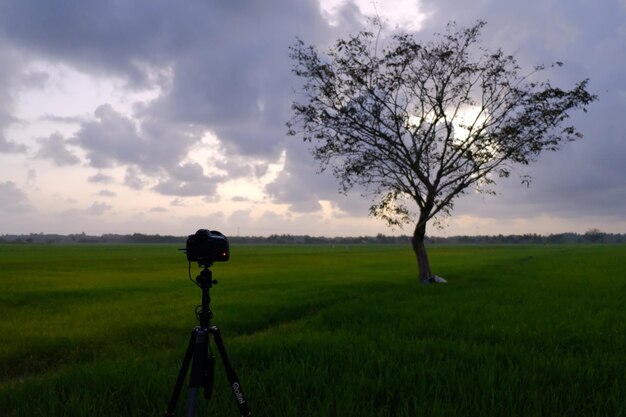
422 123
594 235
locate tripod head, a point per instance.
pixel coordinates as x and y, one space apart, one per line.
206 277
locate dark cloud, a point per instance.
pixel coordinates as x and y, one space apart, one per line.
237 166
31 177
223 67
100 178
188 172
10 66
111 139
55 148
13 199
8 146
158 210
178 202
33 79
104 37
106 193
133 179
98 208
585 178
152 149
188 180
230 69
298 184
70 120
200 187
76 216
233 80
302 185
240 199
238 82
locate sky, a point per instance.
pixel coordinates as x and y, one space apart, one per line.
163 117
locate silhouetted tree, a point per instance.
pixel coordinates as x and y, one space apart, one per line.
593 235
421 123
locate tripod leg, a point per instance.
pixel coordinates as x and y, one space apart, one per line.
208 377
199 365
235 386
181 376
203 365
200 353
191 402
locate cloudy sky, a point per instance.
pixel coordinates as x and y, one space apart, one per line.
162 116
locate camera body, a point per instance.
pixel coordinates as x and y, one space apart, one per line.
207 246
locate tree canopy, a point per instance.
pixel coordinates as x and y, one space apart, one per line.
418 124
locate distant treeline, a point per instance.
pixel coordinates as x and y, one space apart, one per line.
591 236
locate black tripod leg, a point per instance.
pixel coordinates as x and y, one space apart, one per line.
171 408
235 386
191 402
208 377
198 376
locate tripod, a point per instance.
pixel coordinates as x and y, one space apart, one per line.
201 359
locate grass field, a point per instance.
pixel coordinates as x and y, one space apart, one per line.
318 330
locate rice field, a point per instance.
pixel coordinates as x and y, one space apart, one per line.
100 330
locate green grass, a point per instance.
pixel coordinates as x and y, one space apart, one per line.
318 330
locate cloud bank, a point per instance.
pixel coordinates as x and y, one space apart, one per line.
202 91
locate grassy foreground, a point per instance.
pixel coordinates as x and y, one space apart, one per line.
318 330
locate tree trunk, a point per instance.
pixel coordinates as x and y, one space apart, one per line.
420 252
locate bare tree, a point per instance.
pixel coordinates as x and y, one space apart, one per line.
418 124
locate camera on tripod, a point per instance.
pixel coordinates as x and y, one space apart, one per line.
207 246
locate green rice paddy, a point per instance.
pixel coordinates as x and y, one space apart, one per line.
100 330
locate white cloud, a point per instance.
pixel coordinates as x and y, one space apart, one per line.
408 14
